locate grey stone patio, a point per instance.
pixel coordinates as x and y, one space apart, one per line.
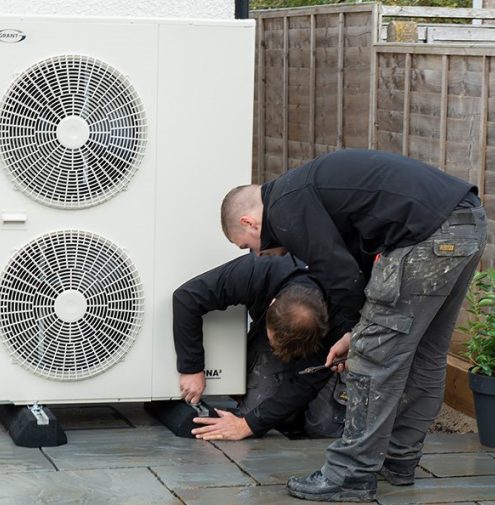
120 455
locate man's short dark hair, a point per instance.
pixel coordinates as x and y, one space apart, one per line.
298 321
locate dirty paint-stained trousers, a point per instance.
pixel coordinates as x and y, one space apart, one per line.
323 416
398 354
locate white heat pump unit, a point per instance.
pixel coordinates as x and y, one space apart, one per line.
118 139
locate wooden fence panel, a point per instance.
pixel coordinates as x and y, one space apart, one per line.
437 104
312 84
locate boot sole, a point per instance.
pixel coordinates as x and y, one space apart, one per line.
396 479
349 496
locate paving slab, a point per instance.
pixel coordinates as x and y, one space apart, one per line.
273 461
455 465
20 459
258 495
146 446
129 486
447 490
439 443
198 476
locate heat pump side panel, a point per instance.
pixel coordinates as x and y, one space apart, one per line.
204 144
126 219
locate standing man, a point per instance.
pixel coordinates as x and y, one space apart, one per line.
427 230
282 297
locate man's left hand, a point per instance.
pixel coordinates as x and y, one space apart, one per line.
225 427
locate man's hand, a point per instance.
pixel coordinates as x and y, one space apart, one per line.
192 386
339 350
226 427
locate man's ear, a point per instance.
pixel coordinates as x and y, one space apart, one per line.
248 221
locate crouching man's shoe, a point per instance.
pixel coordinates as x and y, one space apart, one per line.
399 472
317 487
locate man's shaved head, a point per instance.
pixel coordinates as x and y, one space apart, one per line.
239 201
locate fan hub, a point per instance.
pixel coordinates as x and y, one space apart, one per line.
73 132
70 305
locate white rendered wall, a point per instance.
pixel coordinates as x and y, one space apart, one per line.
211 9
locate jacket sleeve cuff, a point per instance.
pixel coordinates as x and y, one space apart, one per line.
190 369
255 425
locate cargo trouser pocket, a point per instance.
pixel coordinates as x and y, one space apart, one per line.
358 387
385 283
434 265
374 336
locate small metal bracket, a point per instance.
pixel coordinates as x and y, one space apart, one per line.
201 409
39 414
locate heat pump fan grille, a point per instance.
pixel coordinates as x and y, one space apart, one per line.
72 131
71 304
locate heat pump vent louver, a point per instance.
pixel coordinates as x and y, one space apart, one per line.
72 131
71 304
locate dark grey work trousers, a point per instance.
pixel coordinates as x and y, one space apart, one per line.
398 355
323 416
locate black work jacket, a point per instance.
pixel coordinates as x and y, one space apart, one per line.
337 211
252 281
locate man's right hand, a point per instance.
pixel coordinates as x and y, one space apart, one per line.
339 350
192 386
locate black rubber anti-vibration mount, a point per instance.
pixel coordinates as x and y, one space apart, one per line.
23 427
177 415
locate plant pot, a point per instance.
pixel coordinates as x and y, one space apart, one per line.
483 388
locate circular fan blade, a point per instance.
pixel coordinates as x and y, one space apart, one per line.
72 131
71 305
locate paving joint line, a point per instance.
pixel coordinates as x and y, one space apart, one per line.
171 491
50 460
258 483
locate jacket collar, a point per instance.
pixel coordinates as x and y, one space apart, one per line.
267 239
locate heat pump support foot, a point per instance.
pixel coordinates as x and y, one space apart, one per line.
32 426
178 415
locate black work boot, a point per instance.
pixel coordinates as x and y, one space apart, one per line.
317 487
399 472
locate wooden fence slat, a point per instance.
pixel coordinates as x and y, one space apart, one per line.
407 106
285 97
437 12
340 83
312 85
373 101
483 126
260 168
443 112
375 34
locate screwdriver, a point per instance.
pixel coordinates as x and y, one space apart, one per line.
313 369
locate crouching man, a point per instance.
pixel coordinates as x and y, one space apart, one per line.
280 295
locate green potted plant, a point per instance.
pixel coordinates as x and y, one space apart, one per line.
480 328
